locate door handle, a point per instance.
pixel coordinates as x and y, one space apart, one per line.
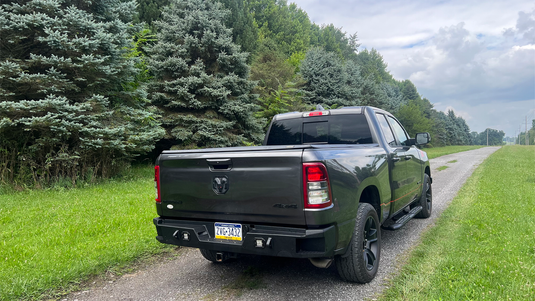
395 159
408 157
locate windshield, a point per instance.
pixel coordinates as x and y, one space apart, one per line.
332 129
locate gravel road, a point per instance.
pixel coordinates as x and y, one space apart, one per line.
191 277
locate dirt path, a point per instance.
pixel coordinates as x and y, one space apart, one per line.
191 277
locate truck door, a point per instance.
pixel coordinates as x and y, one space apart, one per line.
398 166
411 179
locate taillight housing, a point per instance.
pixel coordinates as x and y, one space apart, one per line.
157 183
316 186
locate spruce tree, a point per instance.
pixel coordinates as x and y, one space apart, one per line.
69 101
201 79
329 80
241 21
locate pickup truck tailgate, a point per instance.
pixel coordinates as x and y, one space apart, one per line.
253 185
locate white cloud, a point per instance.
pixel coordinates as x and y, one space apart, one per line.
465 115
475 56
525 47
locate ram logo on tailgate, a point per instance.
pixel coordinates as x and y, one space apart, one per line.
220 185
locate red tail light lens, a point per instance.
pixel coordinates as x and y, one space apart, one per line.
157 183
316 173
316 186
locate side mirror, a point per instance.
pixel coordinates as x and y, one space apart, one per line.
423 138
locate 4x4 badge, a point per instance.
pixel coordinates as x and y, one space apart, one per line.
220 184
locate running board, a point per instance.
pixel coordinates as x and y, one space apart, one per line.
404 219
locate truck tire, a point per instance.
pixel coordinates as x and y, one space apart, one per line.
426 200
361 261
211 255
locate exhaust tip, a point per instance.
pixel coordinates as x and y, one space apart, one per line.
321 263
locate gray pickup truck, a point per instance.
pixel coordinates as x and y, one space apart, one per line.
321 187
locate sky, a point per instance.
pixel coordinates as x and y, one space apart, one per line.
476 58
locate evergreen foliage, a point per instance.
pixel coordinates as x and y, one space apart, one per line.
333 39
70 105
149 11
330 81
242 23
288 25
373 66
495 137
412 118
270 68
201 79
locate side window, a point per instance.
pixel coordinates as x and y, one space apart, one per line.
386 129
399 131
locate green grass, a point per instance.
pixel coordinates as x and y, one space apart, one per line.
442 168
52 240
452 161
483 246
446 150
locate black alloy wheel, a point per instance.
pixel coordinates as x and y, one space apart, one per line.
360 263
426 200
370 245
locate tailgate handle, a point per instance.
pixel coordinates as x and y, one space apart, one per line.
219 164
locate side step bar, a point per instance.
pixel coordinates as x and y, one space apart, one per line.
404 219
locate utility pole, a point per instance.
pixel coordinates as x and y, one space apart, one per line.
487 136
527 139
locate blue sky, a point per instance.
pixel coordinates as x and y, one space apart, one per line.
475 57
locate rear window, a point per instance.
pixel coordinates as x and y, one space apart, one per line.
332 129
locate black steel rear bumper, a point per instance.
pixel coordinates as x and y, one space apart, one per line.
276 241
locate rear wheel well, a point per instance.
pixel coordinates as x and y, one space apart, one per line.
371 196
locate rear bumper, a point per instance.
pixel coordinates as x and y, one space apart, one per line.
277 241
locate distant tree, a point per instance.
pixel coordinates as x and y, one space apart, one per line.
149 11
373 95
374 67
465 137
274 74
70 103
409 90
333 39
270 68
458 132
242 23
201 79
395 99
413 119
495 137
286 98
438 131
288 25
329 81
475 138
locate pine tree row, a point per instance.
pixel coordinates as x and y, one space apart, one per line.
85 88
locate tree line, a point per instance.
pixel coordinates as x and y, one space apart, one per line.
523 136
87 86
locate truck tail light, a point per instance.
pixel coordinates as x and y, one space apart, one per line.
316 186
157 183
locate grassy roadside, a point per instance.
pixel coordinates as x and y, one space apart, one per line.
51 240
483 246
446 150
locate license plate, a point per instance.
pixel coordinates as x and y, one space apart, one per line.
228 231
